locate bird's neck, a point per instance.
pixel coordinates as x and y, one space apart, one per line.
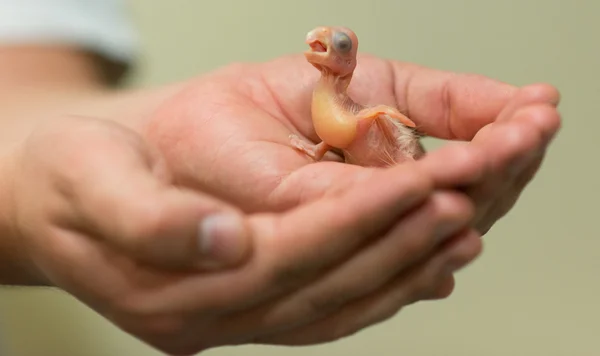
333 83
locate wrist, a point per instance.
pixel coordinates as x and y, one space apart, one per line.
16 268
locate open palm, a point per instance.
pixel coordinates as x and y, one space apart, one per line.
226 133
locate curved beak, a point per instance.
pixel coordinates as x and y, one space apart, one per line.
315 40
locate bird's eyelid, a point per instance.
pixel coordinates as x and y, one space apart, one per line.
342 42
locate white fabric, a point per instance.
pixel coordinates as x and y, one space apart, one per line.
101 26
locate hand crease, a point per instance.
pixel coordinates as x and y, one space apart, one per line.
281 113
405 109
446 101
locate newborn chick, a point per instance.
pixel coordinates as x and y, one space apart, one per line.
368 136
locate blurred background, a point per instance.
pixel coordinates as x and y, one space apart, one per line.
534 291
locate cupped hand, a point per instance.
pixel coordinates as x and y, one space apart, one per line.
246 112
98 213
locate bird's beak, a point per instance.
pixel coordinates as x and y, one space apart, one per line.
316 41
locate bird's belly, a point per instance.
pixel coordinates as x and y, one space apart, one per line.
332 124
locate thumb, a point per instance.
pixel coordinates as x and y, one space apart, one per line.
181 228
128 206
163 225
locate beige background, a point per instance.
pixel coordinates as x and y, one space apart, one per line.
535 289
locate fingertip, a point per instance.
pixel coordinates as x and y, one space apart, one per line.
543 116
444 289
457 163
522 136
454 209
463 249
541 93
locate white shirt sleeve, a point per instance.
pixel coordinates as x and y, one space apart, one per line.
100 26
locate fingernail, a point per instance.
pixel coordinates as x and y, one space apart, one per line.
221 240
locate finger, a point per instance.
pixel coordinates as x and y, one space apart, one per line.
448 105
508 200
131 207
513 146
443 290
517 144
455 165
544 119
317 181
339 224
530 95
386 302
294 248
415 237
547 119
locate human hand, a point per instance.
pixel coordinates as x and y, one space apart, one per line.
248 112
516 143
98 214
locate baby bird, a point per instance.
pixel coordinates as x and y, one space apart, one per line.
368 136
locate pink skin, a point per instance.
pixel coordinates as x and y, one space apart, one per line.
365 135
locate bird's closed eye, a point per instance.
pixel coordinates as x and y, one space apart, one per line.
342 42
